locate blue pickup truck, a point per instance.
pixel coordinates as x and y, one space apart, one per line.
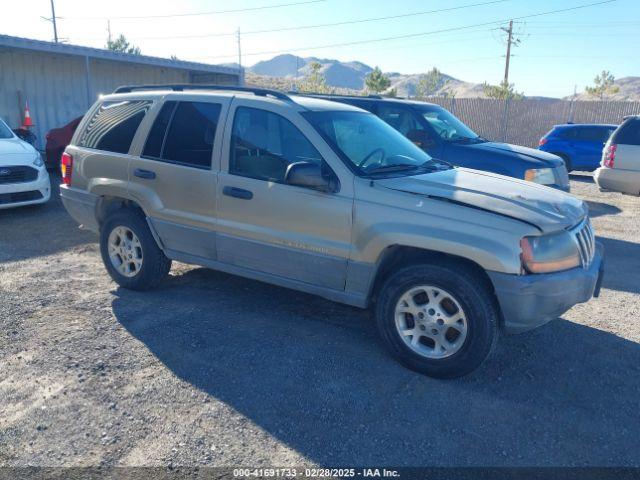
438 132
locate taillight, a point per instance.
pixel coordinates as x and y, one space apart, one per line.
542 141
66 167
610 155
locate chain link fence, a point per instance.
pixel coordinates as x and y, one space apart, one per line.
524 122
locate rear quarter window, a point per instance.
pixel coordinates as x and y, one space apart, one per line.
113 125
628 133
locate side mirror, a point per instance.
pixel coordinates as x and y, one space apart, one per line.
309 175
421 138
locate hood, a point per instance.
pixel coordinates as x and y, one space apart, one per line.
523 153
14 151
548 209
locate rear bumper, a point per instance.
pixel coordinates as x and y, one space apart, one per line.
26 193
81 206
529 301
618 180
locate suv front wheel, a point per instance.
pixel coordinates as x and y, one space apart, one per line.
438 319
130 253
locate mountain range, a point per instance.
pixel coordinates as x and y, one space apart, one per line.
282 71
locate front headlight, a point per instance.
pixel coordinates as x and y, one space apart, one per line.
549 253
543 176
37 162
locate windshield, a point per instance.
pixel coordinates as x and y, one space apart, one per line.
446 125
5 132
369 144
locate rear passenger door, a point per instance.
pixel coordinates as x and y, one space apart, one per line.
174 177
267 225
589 144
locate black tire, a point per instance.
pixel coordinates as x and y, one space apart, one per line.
474 296
567 161
155 265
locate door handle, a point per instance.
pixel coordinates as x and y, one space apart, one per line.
148 174
237 193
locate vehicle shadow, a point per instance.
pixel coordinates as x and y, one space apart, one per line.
38 230
598 209
581 177
622 265
314 375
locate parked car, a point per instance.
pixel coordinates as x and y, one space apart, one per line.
328 199
620 170
579 145
57 141
439 133
23 178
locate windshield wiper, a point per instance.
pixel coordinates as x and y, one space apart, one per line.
398 167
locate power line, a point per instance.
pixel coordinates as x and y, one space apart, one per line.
413 35
323 25
195 14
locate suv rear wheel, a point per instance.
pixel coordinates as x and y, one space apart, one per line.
130 253
440 320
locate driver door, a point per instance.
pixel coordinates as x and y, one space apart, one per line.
264 224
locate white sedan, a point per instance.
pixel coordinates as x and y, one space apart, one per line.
23 177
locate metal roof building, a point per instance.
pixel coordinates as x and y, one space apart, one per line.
61 81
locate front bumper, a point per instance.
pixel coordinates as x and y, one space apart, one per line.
26 193
529 301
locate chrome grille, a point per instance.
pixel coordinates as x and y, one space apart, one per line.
586 241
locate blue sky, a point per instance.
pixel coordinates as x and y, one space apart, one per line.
556 53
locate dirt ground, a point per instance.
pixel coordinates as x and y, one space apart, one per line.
212 369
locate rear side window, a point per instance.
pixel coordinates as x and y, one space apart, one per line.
402 119
628 133
184 133
264 144
594 134
114 125
564 133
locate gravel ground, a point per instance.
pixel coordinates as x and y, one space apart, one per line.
212 369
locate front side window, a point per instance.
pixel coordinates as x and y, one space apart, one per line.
183 133
369 145
264 144
447 126
114 125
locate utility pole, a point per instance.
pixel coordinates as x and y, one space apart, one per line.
108 32
239 50
53 22
509 42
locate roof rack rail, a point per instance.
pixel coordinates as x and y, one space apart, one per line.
180 87
316 94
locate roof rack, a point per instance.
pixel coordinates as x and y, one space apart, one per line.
180 87
316 94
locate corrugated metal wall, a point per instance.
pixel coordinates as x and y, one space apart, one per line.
56 85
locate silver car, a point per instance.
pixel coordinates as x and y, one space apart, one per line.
620 165
326 198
